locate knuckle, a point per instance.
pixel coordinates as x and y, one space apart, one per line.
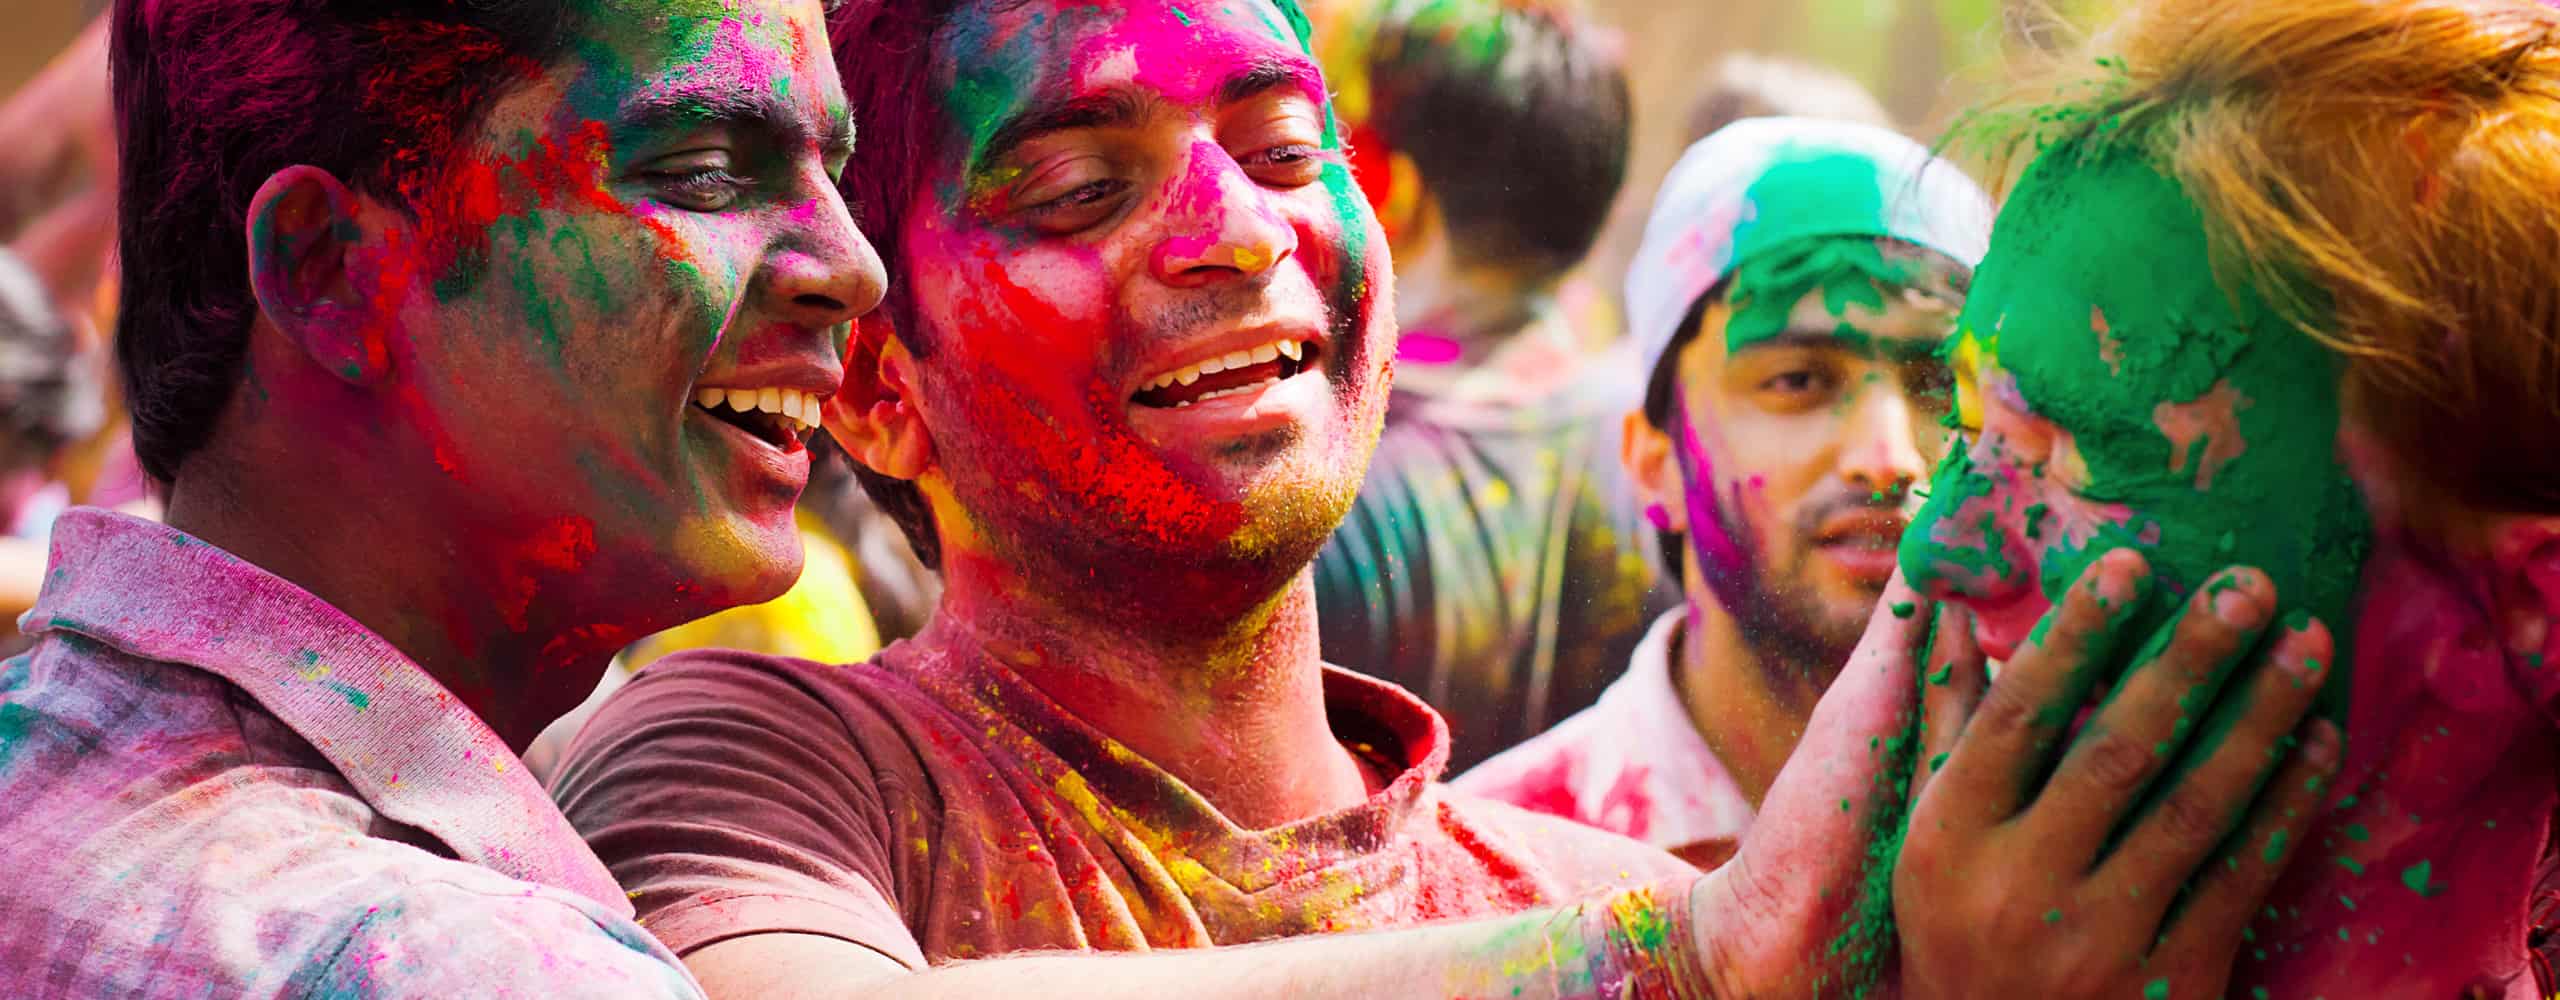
2189 815
2114 763
2003 710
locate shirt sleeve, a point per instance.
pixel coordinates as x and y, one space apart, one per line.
445 940
731 799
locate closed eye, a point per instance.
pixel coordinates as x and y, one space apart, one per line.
1082 206
699 181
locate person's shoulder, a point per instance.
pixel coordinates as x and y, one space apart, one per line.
1541 773
693 719
1582 858
338 905
740 681
465 930
89 734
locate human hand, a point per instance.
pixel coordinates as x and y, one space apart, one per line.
2005 888
1767 920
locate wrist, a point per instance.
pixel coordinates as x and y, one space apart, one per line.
1643 942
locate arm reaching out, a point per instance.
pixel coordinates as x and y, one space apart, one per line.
1593 950
1758 927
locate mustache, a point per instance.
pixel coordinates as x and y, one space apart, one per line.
1221 304
1836 497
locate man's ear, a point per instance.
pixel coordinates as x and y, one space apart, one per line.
874 416
303 228
1645 450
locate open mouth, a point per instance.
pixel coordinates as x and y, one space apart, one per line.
779 417
1237 373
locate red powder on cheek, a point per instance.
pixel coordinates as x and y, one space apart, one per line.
1105 468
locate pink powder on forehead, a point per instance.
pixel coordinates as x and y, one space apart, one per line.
1180 55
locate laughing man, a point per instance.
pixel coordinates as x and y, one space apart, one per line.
1128 379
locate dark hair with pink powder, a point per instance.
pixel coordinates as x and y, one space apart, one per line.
212 97
884 51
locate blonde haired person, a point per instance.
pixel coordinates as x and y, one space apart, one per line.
2281 287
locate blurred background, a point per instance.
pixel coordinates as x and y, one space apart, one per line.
1688 65
1922 59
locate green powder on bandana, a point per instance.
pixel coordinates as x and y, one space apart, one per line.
1846 270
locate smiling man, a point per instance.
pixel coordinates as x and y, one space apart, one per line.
468 343
1793 287
1122 393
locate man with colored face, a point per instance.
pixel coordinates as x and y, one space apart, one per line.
1491 562
468 343
1790 296
1122 394
2278 289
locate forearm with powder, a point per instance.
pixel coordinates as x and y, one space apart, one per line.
1635 943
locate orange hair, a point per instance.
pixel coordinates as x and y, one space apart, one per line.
2388 169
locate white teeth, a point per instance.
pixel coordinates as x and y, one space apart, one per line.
797 407
1291 349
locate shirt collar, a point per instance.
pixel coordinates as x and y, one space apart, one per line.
406 744
1120 788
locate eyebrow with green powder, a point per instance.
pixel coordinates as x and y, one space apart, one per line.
656 113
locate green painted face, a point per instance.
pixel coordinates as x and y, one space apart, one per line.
2117 395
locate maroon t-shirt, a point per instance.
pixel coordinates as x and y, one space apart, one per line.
935 808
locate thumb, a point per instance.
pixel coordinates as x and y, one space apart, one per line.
1777 908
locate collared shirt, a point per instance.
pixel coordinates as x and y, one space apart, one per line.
934 806
1633 763
217 784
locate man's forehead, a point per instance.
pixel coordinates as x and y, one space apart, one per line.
999 54
778 45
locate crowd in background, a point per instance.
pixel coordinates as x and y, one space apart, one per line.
1529 526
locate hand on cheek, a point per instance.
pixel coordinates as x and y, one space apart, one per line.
2008 886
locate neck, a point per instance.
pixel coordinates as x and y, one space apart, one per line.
1235 709
506 644
1458 320
1750 710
